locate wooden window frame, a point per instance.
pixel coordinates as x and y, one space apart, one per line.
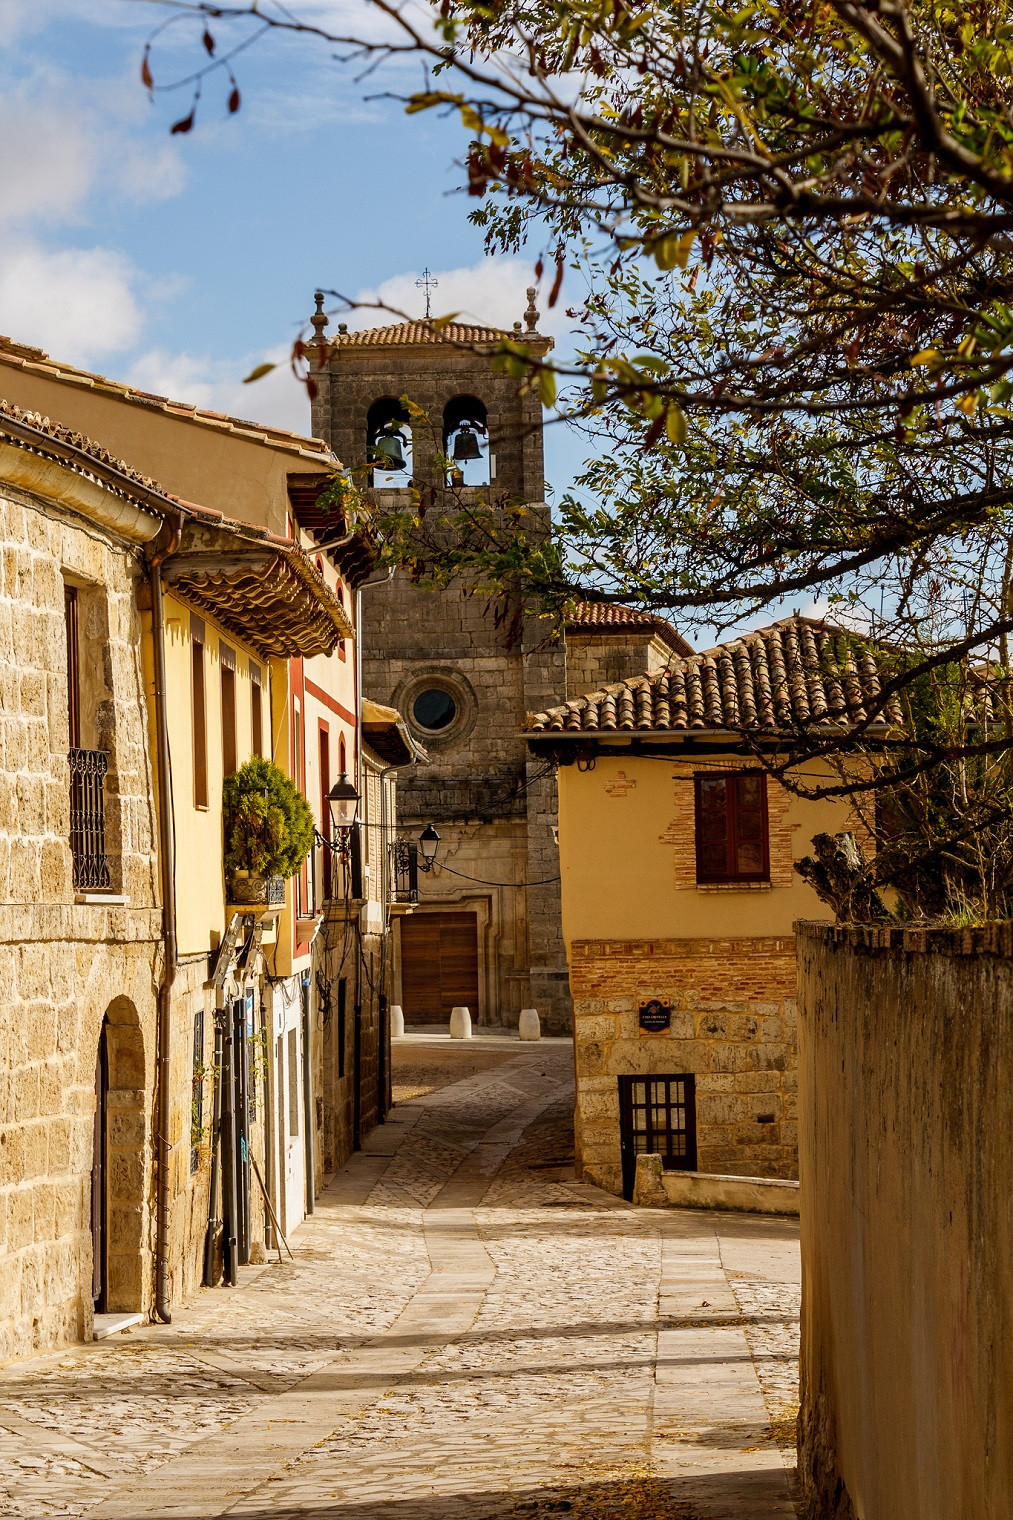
706 876
324 765
199 712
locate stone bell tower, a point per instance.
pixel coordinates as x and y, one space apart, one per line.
462 671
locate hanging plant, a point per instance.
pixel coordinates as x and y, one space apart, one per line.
267 822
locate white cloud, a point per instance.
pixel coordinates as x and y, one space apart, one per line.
67 143
492 292
79 303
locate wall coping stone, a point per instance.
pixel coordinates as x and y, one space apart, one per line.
982 939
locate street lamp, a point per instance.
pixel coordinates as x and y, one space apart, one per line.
342 801
429 843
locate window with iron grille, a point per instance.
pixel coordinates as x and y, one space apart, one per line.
657 1116
731 827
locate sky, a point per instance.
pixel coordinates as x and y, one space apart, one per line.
177 263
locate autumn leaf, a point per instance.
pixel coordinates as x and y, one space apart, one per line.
184 124
259 372
209 43
146 79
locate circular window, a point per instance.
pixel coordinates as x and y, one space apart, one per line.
434 709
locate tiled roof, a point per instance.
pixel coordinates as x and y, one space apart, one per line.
608 617
76 441
260 586
386 733
397 333
796 674
37 361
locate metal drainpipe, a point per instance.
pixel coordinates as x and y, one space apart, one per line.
169 963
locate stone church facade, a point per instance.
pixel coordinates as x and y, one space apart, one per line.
464 672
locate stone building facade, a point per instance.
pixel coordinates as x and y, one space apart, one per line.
463 671
679 897
108 1053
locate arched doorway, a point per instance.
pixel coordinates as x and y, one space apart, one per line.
118 1163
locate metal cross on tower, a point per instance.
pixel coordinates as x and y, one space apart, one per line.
428 283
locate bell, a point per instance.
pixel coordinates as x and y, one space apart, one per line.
466 446
387 452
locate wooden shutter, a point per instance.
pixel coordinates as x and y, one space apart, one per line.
73 665
198 713
750 826
712 828
731 827
230 746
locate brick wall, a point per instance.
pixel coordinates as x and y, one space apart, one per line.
733 1025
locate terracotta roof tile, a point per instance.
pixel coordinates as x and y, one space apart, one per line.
609 617
397 333
795 674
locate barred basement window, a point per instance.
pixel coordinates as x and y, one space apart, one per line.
731 827
657 1117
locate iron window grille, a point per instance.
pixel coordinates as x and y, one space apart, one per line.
657 1118
404 870
87 819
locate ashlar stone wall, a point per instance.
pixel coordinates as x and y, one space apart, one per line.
733 1025
66 964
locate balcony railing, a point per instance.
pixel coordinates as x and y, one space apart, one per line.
88 820
404 870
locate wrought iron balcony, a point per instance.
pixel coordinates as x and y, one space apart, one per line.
404 870
88 820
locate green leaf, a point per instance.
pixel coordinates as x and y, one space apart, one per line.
259 372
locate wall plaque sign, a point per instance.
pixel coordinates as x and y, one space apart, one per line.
655 1016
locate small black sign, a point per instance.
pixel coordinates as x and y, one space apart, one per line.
655 1016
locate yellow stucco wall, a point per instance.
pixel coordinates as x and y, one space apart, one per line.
201 462
200 895
628 864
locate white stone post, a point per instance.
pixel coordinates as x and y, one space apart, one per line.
396 1021
460 1024
528 1025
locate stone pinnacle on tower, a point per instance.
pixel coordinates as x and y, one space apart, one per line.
531 315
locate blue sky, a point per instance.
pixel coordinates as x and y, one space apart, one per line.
177 263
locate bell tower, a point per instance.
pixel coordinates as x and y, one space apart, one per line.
462 671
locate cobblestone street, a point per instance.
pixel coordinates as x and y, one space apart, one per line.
465 1333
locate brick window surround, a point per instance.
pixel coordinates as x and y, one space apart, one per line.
731 827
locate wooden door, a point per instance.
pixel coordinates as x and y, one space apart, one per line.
99 1200
439 966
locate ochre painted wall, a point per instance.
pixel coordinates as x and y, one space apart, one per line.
628 862
906 1133
200 882
212 464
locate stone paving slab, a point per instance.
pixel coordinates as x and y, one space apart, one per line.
467 1333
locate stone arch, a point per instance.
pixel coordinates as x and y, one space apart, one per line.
466 442
120 1192
388 421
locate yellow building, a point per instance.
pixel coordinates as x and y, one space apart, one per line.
276 482
679 898
143 646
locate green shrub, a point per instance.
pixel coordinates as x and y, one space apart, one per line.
267 821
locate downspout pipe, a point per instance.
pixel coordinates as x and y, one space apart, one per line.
165 546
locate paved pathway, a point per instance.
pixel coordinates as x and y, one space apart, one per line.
466 1334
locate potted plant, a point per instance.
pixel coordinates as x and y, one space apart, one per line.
268 830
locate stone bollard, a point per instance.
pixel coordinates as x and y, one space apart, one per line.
648 1188
460 1024
528 1026
396 1022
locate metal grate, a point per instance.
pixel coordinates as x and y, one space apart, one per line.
658 1118
404 870
87 819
